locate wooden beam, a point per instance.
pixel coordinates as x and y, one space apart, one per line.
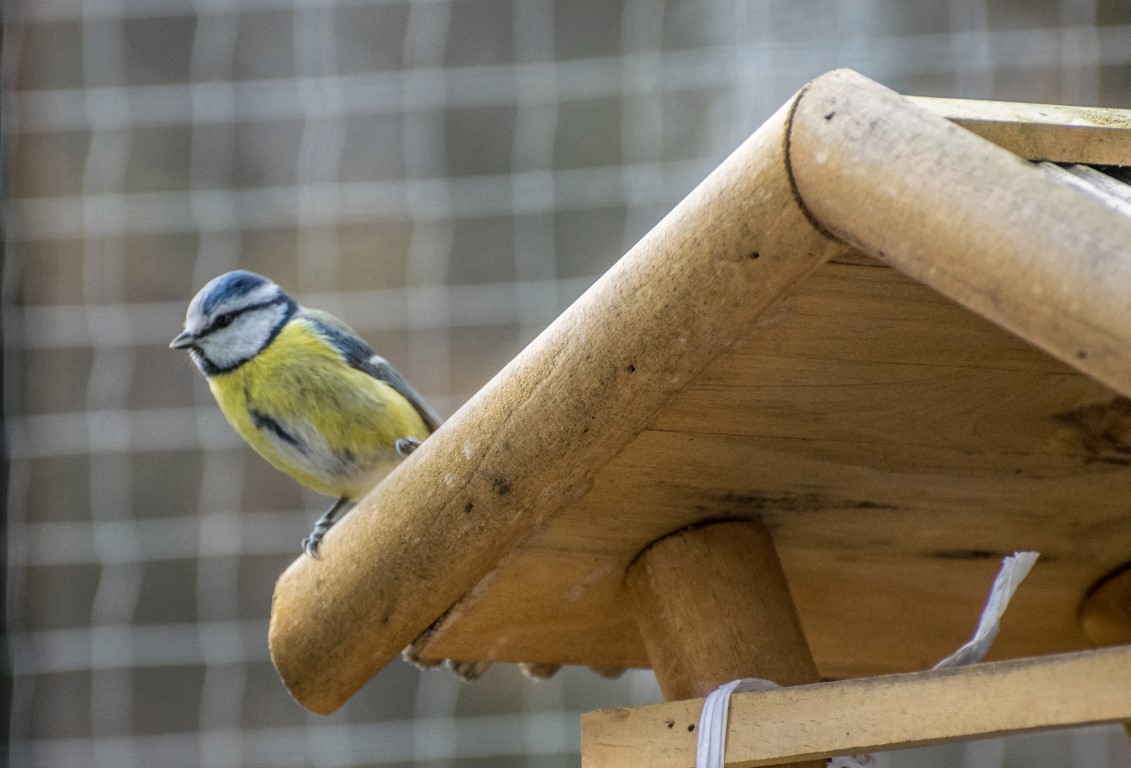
887 436
1105 613
713 605
845 158
1088 135
997 234
533 438
873 714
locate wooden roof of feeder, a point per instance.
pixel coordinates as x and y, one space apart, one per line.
901 347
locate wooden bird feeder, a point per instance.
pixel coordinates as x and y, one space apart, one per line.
790 435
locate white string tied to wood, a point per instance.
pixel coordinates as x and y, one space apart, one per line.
711 751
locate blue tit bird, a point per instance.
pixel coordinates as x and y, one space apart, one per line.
302 389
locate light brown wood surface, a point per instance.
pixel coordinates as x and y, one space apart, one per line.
713 605
1106 612
991 231
531 441
895 441
1064 134
875 714
895 444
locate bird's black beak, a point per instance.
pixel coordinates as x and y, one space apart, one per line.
184 340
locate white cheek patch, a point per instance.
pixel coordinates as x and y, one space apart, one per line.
244 338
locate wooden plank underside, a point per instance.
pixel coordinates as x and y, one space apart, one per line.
896 445
533 438
1061 134
901 471
873 714
1000 236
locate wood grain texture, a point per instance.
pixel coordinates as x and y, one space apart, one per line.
875 714
1061 134
1105 613
979 224
895 444
531 441
713 605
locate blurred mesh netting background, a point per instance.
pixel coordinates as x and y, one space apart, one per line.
446 175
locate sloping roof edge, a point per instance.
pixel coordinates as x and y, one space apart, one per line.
845 161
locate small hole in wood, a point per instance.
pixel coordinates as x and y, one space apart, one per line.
829 115
671 724
755 255
691 728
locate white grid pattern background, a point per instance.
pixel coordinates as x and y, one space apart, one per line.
447 175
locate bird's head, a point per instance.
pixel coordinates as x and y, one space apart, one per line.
232 319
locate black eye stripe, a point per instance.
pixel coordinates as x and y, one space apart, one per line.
226 319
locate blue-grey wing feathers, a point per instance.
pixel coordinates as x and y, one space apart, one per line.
358 355
379 368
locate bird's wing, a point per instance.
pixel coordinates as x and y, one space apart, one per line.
380 368
358 355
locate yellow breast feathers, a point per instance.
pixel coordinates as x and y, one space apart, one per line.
330 426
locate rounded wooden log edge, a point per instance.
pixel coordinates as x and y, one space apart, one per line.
996 233
713 605
846 156
531 440
1105 614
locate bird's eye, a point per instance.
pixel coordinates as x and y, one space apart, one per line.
223 321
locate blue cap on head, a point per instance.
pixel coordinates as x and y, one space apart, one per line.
228 286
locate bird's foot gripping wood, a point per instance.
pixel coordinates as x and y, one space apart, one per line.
311 542
404 447
407 445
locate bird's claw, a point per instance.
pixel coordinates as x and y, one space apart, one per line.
311 542
406 445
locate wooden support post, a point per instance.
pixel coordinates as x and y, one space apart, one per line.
713 605
1106 613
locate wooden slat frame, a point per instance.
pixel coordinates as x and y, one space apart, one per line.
1062 134
532 439
998 235
783 204
873 714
